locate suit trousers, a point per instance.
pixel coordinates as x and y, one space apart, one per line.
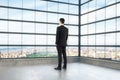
61 52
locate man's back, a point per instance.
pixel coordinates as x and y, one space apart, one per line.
61 42
61 36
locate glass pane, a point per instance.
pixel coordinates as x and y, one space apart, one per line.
73 20
73 9
84 30
4 2
51 40
3 26
100 3
63 8
91 40
83 1
118 38
28 15
72 51
92 5
52 29
110 2
118 24
109 10
15 52
84 8
91 17
114 53
3 38
41 39
84 51
15 26
84 19
109 51
72 40
41 16
36 52
29 4
100 27
117 55
52 6
41 28
51 52
63 1
28 51
15 14
100 14
73 30
41 5
3 52
15 3
110 39
91 28
100 52
15 39
84 40
4 13
74 1
118 8
92 52
100 39
28 39
52 18
28 27
110 25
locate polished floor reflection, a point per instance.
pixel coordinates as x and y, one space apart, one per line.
75 71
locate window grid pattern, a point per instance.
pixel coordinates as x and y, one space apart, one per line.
100 29
28 27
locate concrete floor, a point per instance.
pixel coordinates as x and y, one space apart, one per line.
75 71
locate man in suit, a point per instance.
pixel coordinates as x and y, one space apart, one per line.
61 42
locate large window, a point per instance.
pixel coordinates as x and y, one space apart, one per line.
28 27
100 29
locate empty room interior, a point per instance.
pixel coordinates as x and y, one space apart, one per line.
28 30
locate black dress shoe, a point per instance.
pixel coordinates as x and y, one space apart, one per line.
57 68
64 67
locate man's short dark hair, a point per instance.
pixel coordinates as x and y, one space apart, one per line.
62 20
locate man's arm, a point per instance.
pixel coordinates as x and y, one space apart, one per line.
67 35
57 36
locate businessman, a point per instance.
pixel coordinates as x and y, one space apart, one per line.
61 42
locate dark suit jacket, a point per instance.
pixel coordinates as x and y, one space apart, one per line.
61 36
